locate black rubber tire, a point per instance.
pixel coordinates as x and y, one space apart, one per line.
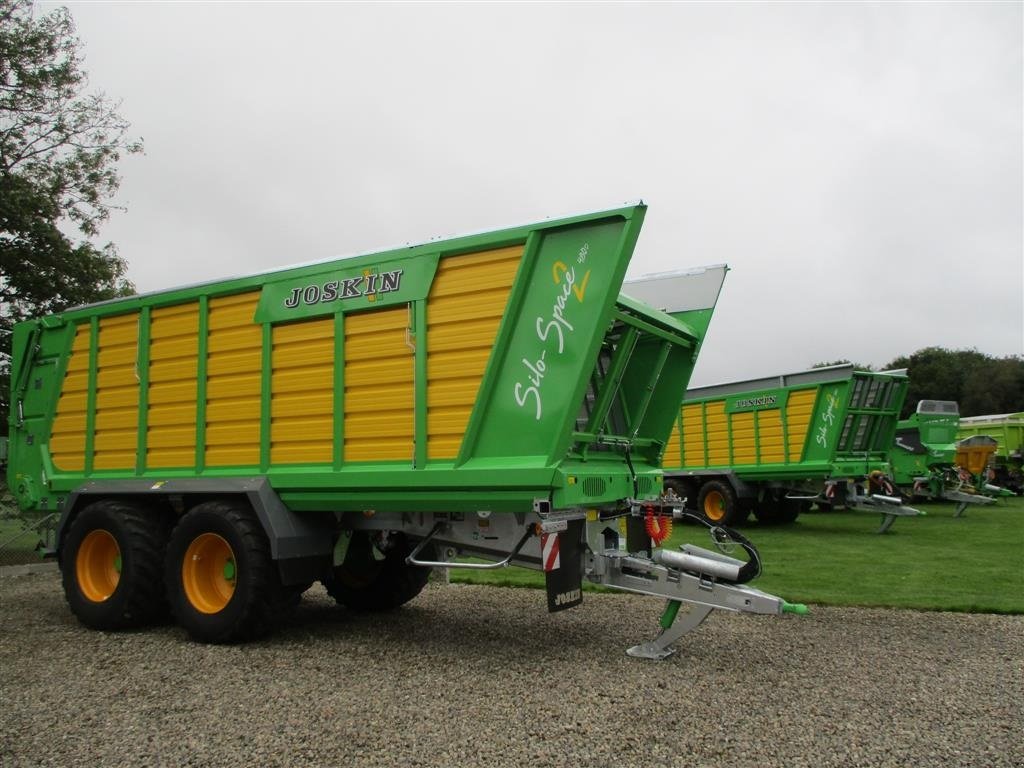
780 510
141 537
365 584
292 595
795 508
766 511
717 504
258 600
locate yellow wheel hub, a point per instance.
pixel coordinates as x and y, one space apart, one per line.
208 573
714 506
98 565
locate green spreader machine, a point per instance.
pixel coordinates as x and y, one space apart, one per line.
214 450
925 458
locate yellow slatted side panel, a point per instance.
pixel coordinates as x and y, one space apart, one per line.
693 436
379 402
233 369
302 393
769 436
173 368
799 409
117 393
465 307
743 448
673 451
717 428
67 439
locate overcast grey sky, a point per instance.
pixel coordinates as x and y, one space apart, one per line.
859 166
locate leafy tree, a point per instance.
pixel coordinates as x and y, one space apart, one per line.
59 147
996 387
981 384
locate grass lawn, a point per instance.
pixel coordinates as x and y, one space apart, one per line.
972 563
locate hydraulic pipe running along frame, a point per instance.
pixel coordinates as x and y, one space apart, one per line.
703 579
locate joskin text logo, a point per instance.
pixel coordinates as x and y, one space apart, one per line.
764 400
570 288
369 284
757 402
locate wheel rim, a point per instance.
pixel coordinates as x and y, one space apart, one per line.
714 506
98 565
208 573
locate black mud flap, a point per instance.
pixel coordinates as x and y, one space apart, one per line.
562 558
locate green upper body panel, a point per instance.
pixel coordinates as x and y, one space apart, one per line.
531 432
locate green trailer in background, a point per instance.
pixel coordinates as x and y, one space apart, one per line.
924 457
931 459
773 446
214 450
1007 430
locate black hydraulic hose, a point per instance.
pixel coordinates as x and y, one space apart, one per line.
720 533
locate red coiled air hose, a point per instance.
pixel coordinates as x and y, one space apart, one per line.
658 527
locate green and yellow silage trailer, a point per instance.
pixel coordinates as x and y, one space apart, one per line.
773 446
213 450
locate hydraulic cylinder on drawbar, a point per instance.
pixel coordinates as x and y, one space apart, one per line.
683 561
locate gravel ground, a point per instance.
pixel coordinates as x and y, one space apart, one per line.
467 676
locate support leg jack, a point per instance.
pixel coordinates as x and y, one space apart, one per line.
672 628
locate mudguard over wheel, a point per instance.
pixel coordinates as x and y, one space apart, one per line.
112 565
222 584
375 580
718 505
